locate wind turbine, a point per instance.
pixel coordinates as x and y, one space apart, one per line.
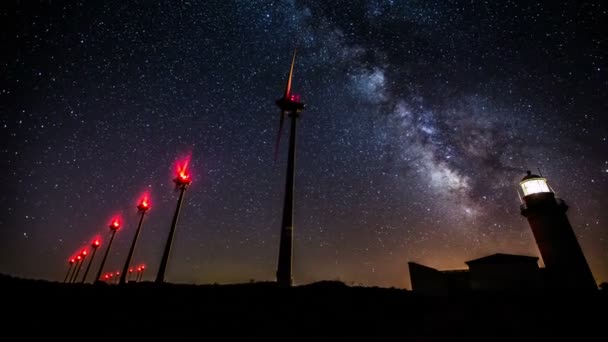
289 105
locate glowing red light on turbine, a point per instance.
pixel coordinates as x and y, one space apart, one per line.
72 261
295 98
78 258
144 203
130 270
117 273
183 175
84 252
143 267
115 225
96 243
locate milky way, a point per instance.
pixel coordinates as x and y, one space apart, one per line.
421 118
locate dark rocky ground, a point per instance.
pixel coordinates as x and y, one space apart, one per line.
317 311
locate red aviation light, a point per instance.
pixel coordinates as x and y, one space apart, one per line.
115 225
96 243
144 203
183 175
78 258
84 252
72 261
295 98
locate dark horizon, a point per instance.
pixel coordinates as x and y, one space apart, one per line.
325 308
421 120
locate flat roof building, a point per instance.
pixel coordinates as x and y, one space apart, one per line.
494 272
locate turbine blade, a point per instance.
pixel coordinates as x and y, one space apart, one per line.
287 94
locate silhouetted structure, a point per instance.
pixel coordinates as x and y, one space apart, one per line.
76 268
181 182
429 280
114 226
140 273
565 264
143 208
94 247
504 271
71 263
83 256
496 272
564 260
289 104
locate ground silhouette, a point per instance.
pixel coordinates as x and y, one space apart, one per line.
324 309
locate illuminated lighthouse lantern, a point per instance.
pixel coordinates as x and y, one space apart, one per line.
533 184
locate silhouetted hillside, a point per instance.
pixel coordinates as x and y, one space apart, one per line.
315 310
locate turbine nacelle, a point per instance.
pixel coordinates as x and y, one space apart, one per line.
290 104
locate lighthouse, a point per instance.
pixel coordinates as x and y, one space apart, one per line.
565 264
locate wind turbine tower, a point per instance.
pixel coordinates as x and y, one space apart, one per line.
291 106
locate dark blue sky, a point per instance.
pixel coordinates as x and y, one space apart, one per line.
421 119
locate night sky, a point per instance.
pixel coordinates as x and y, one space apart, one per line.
421 118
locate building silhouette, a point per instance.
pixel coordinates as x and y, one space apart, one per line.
494 272
565 264
505 271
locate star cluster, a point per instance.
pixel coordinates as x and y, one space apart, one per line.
421 118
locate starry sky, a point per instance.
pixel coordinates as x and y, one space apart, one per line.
421 118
